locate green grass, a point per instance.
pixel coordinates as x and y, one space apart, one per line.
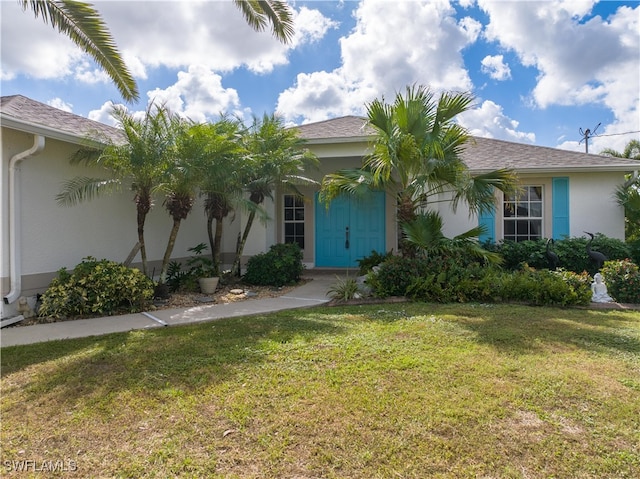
403 390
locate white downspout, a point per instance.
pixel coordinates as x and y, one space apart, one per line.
14 219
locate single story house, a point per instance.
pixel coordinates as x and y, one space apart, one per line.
567 193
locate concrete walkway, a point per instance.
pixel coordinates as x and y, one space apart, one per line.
313 293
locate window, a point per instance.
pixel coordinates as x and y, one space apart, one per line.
294 220
523 215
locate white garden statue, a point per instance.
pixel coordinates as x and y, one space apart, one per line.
599 290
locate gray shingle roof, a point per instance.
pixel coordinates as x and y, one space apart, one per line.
481 154
23 113
343 127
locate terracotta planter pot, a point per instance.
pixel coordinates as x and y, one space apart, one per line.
208 285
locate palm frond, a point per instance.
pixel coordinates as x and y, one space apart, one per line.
258 13
84 26
425 233
353 182
631 151
479 191
83 188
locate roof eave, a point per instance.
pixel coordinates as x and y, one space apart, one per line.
566 169
325 141
34 128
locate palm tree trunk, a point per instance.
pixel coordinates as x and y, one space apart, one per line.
217 245
406 215
235 270
143 249
167 254
212 242
215 241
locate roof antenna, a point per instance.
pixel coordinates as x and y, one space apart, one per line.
586 134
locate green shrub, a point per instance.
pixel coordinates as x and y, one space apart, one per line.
367 263
442 277
432 288
572 252
199 265
517 254
96 287
580 282
395 276
634 251
281 265
622 278
180 280
448 277
457 278
546 288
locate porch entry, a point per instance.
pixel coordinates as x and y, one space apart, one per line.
349 229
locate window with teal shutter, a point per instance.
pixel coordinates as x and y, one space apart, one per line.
560 207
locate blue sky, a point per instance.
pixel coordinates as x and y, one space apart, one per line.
539 70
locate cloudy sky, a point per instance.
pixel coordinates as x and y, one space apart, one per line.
541 71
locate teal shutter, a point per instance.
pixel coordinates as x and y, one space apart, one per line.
488 220
560 207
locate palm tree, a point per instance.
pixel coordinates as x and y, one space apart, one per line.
182 178
141 161
222 182
416 157
277 159
631 151
84 26
628 194
425 233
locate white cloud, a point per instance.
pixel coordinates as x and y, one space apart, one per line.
198 94
489 121
471 27
60 105
494 66
321 95
172 34
578 63
103 114
30 46
384 53
87 72
311 26
393 44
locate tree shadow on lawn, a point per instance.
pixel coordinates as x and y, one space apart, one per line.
527 329
184 357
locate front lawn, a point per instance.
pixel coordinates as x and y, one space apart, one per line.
399 391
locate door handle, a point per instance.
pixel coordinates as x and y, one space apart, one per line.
346 235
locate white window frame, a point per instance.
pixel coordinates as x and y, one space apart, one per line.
525 209
296 217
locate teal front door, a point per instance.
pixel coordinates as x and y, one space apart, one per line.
349 229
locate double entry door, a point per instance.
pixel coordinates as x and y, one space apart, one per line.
349 229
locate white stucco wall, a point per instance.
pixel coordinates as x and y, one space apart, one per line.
53 237
593 207
262 235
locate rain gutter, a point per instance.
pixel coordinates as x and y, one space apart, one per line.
14 218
